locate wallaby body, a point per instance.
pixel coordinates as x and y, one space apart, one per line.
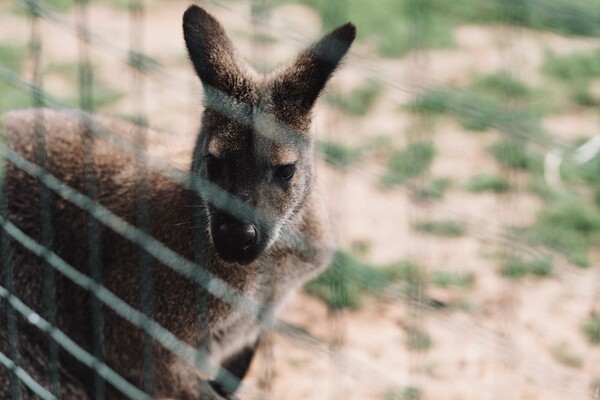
254 144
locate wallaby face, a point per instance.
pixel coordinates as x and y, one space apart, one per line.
255 142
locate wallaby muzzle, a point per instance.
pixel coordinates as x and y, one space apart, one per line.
237 241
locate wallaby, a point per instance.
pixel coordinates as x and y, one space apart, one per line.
255 144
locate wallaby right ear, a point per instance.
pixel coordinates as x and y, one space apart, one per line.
213 55
301 83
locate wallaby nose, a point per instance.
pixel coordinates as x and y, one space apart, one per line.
238 235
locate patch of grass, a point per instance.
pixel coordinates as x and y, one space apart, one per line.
12 58
348 279
418 340
435 189
102 94
563 355
360 101
488 183
574 67
572 17
394 27
410 162
513 153
338 155
477 111
569 225
591 329
503 85
447 279
56 5
515 267
583 96
445 228
409 393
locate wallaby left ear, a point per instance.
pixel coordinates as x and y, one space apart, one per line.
220 69
304 80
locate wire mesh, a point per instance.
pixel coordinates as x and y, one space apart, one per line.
149 248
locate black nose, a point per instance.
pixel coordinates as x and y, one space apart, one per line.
238 235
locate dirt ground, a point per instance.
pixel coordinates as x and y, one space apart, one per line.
506 345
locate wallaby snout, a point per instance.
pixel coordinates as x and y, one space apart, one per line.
237 241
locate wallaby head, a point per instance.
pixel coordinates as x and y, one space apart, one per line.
256 142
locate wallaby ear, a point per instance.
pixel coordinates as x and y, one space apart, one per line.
213 55
304 80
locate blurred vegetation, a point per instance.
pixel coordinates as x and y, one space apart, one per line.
565 356
409 393
488 183
434 189
395 27
517 267
12 57
359 101
479 111
446 279
503 85
591 329
570 225
410 162
445 228
102 93
513 153
574 67
338 155
418 340
348 280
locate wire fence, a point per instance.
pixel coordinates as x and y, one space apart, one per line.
138 231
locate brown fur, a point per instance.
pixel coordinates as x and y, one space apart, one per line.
269 127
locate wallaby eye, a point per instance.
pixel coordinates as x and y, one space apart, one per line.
285 172
214 166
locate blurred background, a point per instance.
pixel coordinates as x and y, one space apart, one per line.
459 157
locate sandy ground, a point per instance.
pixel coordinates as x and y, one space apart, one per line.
502 348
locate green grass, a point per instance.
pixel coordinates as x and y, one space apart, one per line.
591 330
396 27
56 5
12 58
513 153
345 283
565 356
418 340
516 267
409 393
574 67
360 101
503 85
102 94
338 155
444 228
488 183
570 225
407 163
478 111
434 189
446 279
